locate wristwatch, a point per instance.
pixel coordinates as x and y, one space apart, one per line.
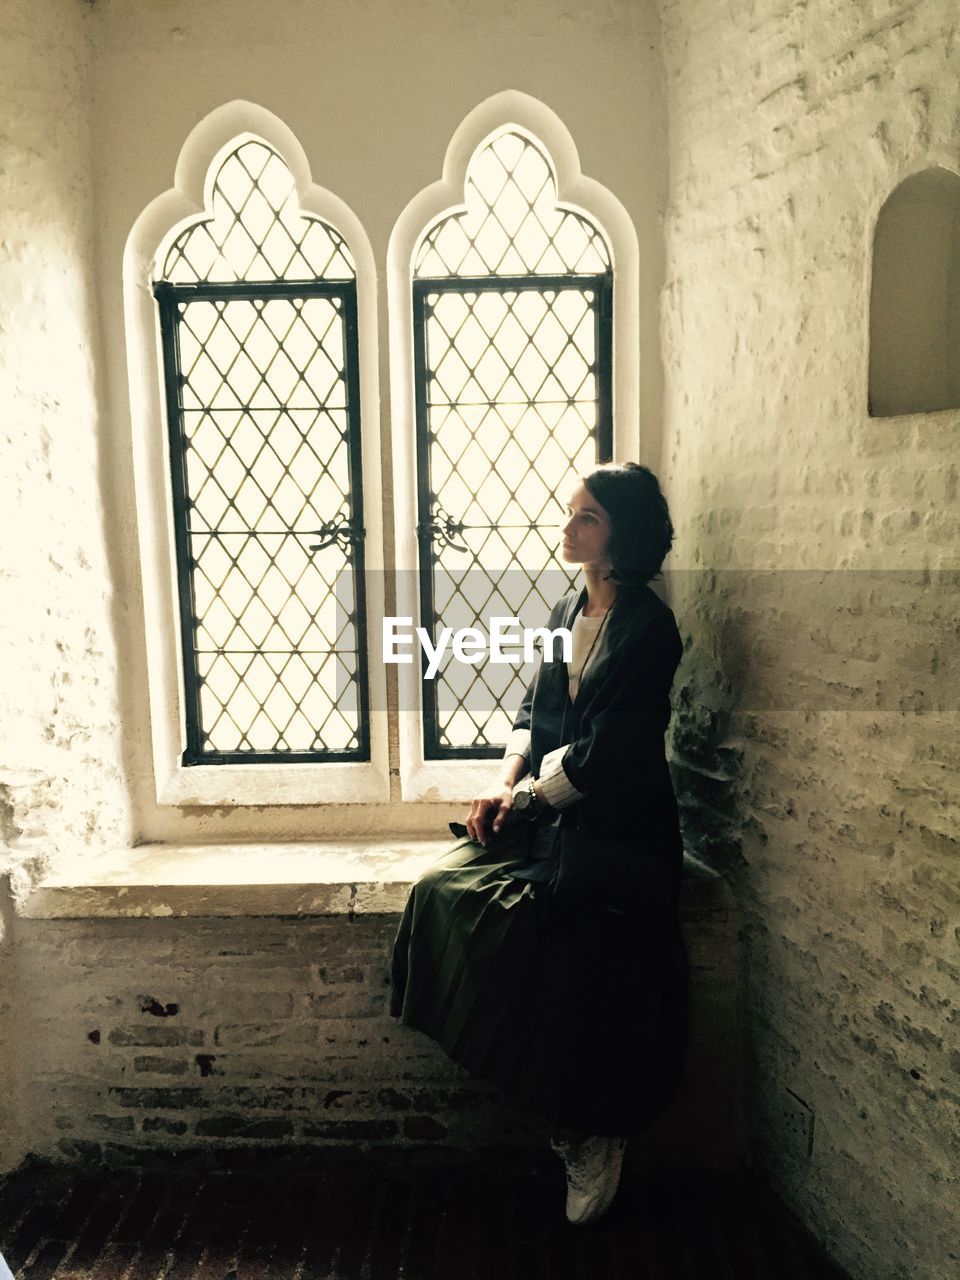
526 802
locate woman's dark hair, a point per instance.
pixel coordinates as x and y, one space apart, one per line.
641 532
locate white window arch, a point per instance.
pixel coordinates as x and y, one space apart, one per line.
257 474
514 368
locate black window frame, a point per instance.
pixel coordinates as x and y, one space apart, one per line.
430 526
350 534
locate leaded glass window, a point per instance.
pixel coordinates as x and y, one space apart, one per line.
512 303
258 315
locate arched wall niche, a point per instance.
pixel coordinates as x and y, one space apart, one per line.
915 298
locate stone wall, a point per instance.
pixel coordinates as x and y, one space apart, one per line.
816 735
253 1041
61 777
816 739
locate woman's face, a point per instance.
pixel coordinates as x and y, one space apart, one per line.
586 530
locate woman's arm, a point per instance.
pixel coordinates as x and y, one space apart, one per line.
498 801
553 784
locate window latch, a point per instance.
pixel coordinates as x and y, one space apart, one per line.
444 528
344 532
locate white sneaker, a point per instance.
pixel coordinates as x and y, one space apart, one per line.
593 1174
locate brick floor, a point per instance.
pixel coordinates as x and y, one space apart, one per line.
476 1223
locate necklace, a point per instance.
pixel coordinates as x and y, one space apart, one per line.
568 701
593 645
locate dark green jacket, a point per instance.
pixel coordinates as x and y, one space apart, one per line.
616 725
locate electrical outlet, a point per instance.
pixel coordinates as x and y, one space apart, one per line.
797 1124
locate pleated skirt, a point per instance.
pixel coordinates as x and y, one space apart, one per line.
582 1021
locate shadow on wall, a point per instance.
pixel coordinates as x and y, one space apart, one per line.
790 661
705 758
10 1140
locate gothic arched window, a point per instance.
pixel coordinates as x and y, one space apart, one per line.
258 313
512 337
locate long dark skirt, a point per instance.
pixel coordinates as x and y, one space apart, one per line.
583 1020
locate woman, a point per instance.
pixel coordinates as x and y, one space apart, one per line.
574 1006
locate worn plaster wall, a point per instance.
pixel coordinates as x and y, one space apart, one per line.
817 734
61 781
374 93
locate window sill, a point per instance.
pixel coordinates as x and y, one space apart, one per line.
265 784
319 878
330 877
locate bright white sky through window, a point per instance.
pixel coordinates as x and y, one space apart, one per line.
265 420
512 404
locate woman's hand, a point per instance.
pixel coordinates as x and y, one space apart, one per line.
493 806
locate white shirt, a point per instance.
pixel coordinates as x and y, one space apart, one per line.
584 632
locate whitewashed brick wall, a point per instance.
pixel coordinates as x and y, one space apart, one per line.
816 737
817 734
61 780
267 1042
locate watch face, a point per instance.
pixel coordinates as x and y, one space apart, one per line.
522 800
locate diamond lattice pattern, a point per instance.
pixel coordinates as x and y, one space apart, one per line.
512 409
511 224
267 462
256 230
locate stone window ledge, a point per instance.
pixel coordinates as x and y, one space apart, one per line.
317 878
